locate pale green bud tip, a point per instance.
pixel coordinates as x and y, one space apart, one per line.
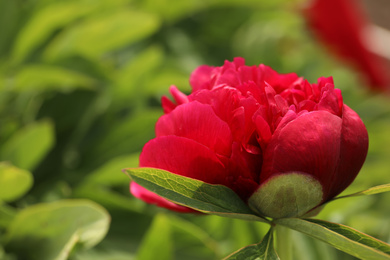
287 195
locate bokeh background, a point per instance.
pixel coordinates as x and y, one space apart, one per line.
80 89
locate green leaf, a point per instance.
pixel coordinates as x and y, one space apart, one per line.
133 74
204 197
370 191
109 173
51 230
45 77
99 35
28 146
341 237
126 136
7 213
14 182
262 251
157 242
45 22
195 232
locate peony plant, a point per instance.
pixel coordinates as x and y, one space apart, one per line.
254 144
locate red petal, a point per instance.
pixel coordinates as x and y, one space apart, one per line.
198 122
201 77
309 144
354 146
184 157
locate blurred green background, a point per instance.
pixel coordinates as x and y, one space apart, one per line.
80 88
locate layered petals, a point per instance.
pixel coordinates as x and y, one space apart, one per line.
249 128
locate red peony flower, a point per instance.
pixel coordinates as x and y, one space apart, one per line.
246 126
342 26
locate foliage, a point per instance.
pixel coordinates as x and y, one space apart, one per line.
80 83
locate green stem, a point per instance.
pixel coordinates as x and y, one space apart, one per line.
283 242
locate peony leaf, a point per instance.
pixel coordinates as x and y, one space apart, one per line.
204 197
51 230
370 191
261 251
341 237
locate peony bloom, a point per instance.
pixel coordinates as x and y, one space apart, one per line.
342 26
246 126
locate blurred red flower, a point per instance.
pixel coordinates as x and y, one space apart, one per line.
344 28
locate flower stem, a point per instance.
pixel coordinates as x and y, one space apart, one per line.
283 242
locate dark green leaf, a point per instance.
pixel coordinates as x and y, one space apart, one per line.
341 237
204 197
262 251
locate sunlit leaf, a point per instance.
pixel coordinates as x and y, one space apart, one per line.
45 22
14 182
104 33
45 77
370 191
341 237
262 251
51 230
157 242
28 146
204 197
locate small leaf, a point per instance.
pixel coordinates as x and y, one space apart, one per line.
14 182
204 197
27 147
370 191
50 230
341 237
157 243
262 251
